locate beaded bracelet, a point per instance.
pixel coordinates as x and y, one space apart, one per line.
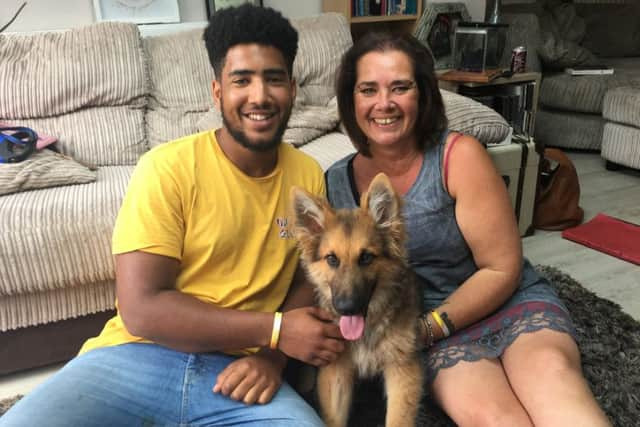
429 328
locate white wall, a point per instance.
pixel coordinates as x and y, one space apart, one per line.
62 14
295 8
41 15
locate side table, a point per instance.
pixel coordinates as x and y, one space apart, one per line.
514 97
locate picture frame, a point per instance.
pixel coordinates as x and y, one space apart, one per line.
137 11
436 29
212 5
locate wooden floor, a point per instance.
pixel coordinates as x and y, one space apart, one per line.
616 194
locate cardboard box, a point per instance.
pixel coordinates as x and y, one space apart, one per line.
518 164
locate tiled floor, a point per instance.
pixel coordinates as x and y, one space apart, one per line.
614 193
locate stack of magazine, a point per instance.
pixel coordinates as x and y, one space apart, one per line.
589 70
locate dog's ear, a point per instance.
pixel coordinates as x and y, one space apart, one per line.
384 206
308 213
381 201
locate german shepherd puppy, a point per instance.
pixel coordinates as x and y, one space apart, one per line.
357 263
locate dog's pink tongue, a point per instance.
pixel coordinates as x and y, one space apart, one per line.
352 327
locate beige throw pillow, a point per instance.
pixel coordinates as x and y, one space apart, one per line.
43 169
562 31
473 118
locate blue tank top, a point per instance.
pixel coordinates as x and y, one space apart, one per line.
438 252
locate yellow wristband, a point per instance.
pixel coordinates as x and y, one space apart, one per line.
440 322
275 333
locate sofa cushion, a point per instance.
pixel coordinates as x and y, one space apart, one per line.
621 144
622 105
309 122
179 70
30 309
167 124
329 148
563 20
60 237
562 31
558 54
569 130
44 168
585 93
180 76
101 136
473 118
323 39
52 73
58 77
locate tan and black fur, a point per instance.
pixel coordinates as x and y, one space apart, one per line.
356 260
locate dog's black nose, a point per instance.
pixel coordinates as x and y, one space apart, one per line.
349 305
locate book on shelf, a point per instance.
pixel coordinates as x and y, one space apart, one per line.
589 70
360 8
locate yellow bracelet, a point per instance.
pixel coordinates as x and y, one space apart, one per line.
440 322
275 333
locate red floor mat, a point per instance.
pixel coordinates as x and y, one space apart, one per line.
609 235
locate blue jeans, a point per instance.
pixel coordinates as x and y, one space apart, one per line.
149 385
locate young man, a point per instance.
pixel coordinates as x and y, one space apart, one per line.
204 259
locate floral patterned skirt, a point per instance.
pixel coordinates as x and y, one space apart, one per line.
489 338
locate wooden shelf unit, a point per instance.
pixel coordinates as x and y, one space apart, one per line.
530 79
362 24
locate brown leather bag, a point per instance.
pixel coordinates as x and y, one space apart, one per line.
558 196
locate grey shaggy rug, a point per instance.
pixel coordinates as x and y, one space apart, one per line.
609 341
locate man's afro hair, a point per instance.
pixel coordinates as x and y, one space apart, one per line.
249 24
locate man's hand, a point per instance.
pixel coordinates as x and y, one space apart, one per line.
251 379
310 335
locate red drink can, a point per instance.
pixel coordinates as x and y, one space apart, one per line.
518 59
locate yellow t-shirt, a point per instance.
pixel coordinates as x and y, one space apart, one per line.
230 231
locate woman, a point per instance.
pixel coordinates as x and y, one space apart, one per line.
499 342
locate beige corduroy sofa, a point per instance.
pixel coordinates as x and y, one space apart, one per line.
109 95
